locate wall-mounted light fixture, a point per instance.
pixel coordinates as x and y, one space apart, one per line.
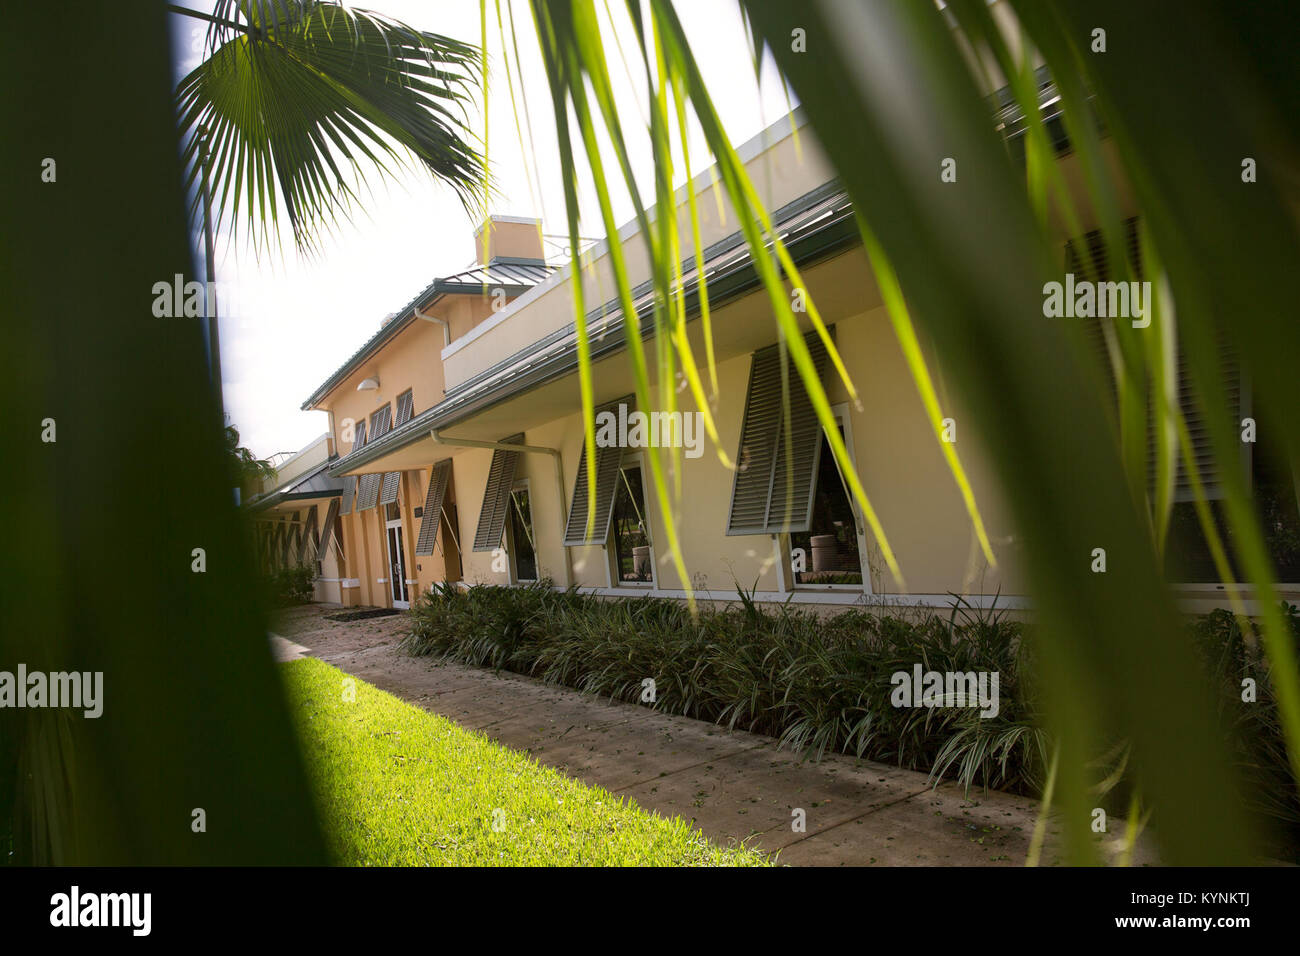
369 384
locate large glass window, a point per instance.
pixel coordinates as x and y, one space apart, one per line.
1277 502
523 547
630 531
827 553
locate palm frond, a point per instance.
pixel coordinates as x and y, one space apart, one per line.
292 94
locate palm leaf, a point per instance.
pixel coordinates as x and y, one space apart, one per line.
296 99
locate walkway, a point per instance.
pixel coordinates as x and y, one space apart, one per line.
734 786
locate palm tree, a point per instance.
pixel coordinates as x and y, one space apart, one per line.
293 91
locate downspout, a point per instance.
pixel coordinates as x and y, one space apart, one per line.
446 329
532 449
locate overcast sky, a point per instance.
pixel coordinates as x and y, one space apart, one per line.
299 320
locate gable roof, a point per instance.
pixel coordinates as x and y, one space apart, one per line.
503 272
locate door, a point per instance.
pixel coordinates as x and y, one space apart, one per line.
396 564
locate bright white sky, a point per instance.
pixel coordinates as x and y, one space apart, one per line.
300 319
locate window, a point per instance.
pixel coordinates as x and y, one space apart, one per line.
633 559
828 553
1271 482
494 513
772 493
523 547
405 407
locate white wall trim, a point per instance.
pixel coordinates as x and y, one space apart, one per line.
849 598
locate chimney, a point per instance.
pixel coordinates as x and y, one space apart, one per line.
509 237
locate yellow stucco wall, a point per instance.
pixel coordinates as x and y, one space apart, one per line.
898 458
410 360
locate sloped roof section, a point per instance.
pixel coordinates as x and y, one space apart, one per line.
503 272
815 226
313 485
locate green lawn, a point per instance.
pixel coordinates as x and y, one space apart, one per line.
397 786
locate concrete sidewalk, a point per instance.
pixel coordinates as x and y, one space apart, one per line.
734 785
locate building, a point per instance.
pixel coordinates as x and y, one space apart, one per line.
393 551
461 442
294 517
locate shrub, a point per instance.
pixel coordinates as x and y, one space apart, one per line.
821 683
289 586
818 684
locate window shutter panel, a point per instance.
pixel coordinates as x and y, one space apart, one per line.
439 478
1097 269
607 465
310 535
388 491
368 485
496 496
327 529
280 545
1198 431
767 495
368 492
405 407
349 492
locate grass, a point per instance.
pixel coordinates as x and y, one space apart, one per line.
397 786
822 684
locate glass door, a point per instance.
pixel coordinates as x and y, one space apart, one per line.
397 565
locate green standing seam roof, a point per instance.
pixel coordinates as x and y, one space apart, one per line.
514 275
817 225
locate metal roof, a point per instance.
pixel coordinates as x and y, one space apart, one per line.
313 485
501 271
513 275
814 227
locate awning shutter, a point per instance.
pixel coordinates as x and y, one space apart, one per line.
350 481
1096 268
769 496
439 478
310 538
327 529
607 463
368 485
388 491
368 491
405 408
381 422
496 497
282 544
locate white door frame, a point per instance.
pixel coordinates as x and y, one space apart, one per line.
781 543
396 569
